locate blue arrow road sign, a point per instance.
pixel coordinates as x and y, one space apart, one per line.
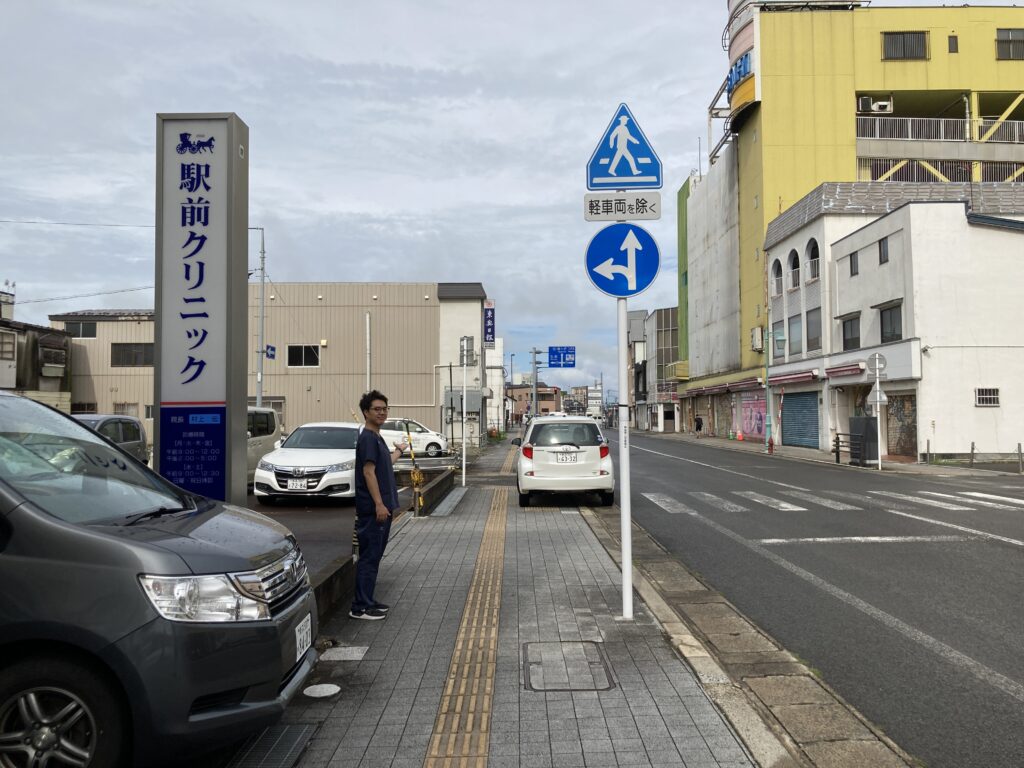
624 159
622 260
561 357
271 351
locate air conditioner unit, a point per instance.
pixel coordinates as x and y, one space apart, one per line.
867 105
757 339
864 103
884 106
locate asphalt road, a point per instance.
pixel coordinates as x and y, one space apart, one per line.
903 591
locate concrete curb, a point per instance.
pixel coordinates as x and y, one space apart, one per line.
785 715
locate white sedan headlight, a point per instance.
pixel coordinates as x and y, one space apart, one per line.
344 466
266 466
201 599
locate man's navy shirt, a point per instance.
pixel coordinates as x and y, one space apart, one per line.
372 448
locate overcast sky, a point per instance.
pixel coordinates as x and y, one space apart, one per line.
438 140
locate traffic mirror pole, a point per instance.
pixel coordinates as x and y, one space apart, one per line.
878 415
625 507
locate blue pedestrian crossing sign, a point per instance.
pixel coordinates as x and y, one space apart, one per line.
624 159
622 260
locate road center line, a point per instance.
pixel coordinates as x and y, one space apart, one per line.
866 540
999 681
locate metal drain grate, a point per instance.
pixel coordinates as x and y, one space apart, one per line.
566 666
278 746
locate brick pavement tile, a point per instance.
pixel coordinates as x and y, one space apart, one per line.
536 761
600 760
503 762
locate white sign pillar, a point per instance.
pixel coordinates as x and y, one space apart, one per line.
625 505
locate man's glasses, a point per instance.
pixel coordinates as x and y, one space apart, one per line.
380 410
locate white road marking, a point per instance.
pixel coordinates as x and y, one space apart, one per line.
965 529
866 540
1007 499
919 500
669 504
999 681
723 504
817 499
976 502
768 501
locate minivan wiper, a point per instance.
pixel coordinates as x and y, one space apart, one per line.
154 513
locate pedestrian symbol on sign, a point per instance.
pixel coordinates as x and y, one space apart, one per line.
624 159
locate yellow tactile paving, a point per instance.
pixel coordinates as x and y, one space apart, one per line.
462 730
510 461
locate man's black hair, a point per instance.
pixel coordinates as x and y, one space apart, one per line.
367 400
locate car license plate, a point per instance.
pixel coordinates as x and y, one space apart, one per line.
303 637
565 458
296 485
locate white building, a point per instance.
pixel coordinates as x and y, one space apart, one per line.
932 286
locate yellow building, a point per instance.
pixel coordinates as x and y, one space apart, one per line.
829 91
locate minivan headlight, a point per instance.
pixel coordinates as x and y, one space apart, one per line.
344 466
201 599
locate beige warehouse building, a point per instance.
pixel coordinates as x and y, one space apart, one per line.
327 343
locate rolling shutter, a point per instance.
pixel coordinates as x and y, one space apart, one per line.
800 419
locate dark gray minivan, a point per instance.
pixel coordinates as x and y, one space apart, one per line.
139 624
126 432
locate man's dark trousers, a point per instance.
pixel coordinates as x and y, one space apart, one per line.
373 538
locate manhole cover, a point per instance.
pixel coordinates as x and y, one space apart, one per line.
568 666
278 746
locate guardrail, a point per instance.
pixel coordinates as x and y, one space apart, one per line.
850 443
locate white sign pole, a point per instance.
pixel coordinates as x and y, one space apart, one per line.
878 413
625 507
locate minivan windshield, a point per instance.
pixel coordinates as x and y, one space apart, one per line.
70 472
323 437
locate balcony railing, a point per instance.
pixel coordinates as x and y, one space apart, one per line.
794 278
777 286
939 129
812 269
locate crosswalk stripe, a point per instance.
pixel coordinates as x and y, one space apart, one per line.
965 529
919 500
723 504
1007 499
768 501
669 504
978 502
817 499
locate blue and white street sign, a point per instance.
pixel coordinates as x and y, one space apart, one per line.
622 260
561 357
271 351
624 159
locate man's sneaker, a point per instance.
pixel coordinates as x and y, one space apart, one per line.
370 614
382 607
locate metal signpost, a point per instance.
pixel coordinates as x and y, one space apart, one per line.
561 357
876 397
622 260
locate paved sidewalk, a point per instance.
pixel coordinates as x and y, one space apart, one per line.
504 648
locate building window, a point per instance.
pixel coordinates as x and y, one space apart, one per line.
303 356
79 330
126 409
7 341
777 278
149 412
136 355
954 44
1010 44
851 333
986 398
796 337
904 45
813 329
83 407
812 260
892 324
854 264
883 251
794 270
779 340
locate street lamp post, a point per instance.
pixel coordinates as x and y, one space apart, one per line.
261 351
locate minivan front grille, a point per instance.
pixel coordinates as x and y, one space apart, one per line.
278 582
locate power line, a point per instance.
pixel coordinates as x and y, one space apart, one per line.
75 223
85 295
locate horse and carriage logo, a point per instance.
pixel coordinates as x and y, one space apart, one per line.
194 147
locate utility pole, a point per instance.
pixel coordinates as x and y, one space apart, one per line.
467 357
512 385
534 352
262 350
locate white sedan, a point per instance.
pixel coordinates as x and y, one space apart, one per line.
315 460
564 454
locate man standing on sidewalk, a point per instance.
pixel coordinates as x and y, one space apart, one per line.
376 501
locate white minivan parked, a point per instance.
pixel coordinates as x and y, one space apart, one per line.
425 441
264 431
